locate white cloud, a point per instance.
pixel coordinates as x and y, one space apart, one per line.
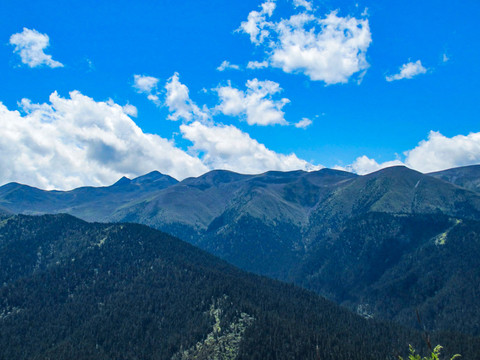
255 104
408 71
436 153
130 110
445 58
304 123
153 98
439 152
226 65
364 165
330 49
76 141
147 85
256 24
227 147
30 45
257 64
179 104
303 3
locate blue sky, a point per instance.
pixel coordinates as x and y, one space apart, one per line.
123 88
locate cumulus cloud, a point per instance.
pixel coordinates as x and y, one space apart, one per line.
227 147
257 64
408 71
147 85
439 152
330 49
257 25
225 65
30 45
255 104
130 110
304 123
179 104
303 3
364 165
77 141
436 153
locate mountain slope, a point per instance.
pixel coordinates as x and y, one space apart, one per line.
302 226
89 203
4 212
467 177
401 190
197 202
390 265
100 291
359 237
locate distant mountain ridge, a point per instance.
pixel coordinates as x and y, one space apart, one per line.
194 201
92 203
381 191
303 226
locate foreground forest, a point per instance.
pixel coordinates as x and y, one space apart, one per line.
123 291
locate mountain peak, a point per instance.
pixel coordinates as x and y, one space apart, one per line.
153 176
123 181
394 171
329 171
214 177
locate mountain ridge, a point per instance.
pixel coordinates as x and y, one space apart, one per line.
298 227
467 177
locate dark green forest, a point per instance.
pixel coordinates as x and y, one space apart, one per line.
123 291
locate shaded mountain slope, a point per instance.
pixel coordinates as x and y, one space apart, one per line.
390 265
392 190
100 291
4 212
467 177
273 196
90 203
443 274
401 190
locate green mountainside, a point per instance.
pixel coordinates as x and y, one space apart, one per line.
350 238
390 265
74 290
467 177
194 202
4 212
90 203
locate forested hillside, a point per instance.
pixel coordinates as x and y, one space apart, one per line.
102 291
391 265
347 237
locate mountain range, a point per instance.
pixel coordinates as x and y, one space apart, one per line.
383 244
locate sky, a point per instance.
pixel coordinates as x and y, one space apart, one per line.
96 90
